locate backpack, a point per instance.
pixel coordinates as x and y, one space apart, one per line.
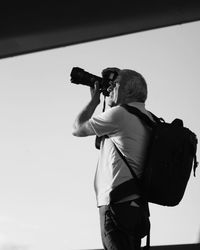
170 158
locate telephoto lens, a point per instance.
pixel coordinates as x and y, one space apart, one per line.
80 76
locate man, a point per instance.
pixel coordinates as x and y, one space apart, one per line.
126 220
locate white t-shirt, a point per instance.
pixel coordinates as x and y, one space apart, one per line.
131 138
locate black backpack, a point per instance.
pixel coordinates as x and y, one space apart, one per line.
170 158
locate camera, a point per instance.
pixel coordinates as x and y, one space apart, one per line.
80 76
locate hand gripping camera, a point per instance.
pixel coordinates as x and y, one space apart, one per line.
80 76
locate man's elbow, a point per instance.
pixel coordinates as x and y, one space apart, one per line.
74 133
78 133
84 130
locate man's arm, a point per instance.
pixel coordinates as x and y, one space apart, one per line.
82 125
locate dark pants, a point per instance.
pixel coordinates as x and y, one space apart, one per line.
123 226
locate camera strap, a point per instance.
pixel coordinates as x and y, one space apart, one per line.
104 104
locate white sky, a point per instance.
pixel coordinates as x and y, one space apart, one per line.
46 181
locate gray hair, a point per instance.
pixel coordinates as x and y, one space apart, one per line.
134 84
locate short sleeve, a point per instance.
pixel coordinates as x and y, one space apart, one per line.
108 122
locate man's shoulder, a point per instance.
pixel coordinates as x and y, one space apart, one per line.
140 107
117 109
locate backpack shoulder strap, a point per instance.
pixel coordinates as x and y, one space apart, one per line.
142 116
126 162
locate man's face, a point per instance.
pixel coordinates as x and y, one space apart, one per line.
116 92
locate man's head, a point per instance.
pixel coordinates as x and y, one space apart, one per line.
129 86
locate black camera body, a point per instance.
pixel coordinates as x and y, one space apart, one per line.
80 76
